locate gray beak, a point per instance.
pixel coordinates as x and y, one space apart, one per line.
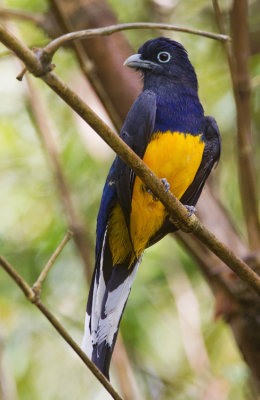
135 61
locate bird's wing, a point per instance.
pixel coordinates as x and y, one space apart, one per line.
210 157
136 132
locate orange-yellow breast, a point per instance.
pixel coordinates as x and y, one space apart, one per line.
172 155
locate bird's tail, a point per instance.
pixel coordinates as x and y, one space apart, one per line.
108 295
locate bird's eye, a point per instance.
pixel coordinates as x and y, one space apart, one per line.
164 56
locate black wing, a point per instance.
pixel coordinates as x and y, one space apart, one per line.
210 157
136 133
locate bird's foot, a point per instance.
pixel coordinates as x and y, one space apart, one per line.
151 193
191 210
165 184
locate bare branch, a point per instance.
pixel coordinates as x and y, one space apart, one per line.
33 298
53 46
38 284
174 207
238 57
35 18
177 211
247 172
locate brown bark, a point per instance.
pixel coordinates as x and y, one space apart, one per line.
241 82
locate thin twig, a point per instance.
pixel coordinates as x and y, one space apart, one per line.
177 211
38 284
33 298
53 46
21 74
35 18
238 57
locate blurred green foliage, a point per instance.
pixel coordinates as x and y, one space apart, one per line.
36 363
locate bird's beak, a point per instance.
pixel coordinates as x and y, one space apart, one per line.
135 61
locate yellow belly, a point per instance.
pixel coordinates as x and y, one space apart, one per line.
171 155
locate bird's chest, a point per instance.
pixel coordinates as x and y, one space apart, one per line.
172 155
176 157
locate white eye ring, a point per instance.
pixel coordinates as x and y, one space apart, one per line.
163 53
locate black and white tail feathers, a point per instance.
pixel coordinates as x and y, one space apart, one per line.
108 295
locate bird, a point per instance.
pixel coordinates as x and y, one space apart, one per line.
166 127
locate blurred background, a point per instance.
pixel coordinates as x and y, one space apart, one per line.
173 344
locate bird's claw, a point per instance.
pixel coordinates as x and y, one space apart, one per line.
165 184
191 210
151 193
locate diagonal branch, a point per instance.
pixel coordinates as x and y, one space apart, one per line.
33 298
176 210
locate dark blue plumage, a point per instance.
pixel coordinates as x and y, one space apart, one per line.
184 116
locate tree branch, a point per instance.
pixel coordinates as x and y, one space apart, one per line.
34 298
53 46
177 211
238 57
35 18
38 284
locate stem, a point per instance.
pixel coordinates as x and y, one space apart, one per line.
247 172
53 46
238 65
38 284
33 298
35 18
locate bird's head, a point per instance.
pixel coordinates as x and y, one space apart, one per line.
163 57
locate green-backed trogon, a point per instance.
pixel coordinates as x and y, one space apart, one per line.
167 128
